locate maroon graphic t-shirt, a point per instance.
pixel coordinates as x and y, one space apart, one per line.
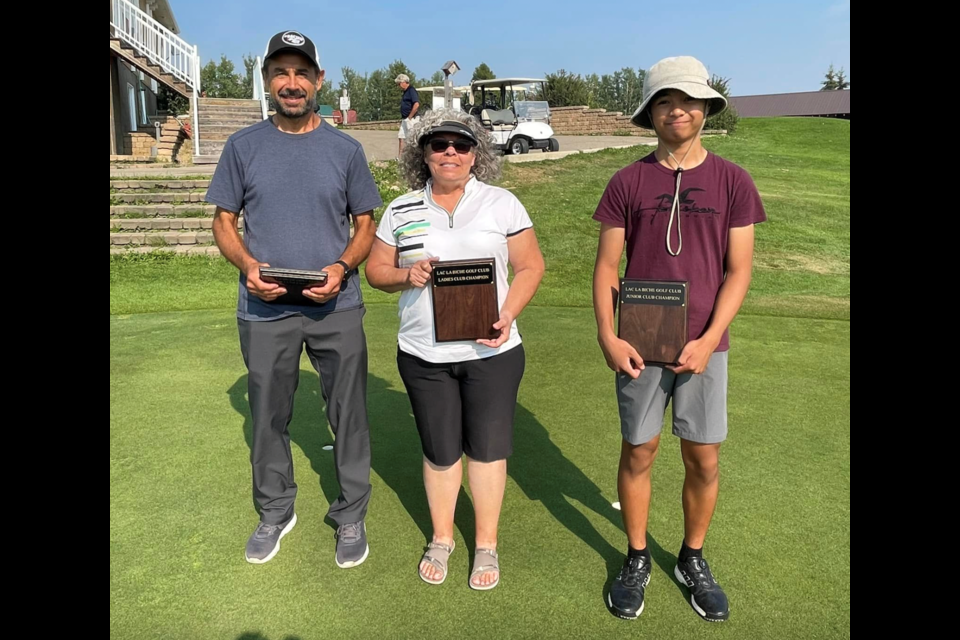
714 197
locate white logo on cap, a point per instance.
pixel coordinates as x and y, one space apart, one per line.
294 38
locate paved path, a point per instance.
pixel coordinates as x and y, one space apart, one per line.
382 145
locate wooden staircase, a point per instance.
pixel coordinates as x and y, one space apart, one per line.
142 62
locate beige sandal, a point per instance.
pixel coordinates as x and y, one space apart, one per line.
436 554
485 560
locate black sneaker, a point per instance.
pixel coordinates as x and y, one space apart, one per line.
706 596
626 592
265 540
352 548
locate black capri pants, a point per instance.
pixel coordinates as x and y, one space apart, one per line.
464 407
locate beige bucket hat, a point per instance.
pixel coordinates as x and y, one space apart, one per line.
683 73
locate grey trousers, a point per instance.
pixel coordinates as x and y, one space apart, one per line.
337 347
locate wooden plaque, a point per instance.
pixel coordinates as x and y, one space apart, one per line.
653 318
465 305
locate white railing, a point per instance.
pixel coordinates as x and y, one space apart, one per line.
194 102
259 91
162 47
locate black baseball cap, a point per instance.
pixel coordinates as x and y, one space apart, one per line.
292 41
448 126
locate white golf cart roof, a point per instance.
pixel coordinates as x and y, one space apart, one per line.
505 81
440 89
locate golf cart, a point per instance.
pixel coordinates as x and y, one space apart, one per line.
516 124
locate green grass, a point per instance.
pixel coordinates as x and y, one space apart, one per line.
181 508
180 502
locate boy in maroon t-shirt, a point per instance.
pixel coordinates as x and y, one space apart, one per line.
683 214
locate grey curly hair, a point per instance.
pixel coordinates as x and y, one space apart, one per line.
415 171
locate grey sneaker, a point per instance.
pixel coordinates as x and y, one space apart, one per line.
265 541
352 547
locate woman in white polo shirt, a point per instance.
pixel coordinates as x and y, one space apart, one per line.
463 394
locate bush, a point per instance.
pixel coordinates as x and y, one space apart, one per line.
172 102
729 118
565 90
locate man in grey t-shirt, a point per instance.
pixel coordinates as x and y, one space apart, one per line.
297 181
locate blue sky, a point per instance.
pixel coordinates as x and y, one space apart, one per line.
763 47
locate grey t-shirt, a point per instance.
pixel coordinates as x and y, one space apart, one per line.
296 192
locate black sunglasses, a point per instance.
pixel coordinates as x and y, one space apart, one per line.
439 145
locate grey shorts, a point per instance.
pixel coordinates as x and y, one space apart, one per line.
406 125
699 403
